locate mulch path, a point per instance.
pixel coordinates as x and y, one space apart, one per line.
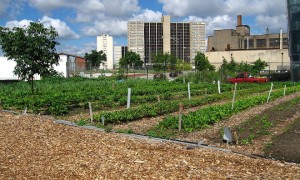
34 147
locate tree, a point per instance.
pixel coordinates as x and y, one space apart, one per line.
131 59
96 58
202 63
164 61
258 65
33 49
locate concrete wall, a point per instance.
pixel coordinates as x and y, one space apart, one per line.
273 57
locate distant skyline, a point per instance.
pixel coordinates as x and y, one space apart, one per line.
78 22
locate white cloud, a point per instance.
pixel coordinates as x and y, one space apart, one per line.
112 27
63 30
214 23
77 50
148 16
272 23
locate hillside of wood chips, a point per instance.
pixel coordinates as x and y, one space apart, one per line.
33 147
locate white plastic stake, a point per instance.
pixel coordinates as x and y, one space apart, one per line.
235 84
270 92
180 117
25 111
128 98
189 91
91 112
219 87
103 120
183 80
284 90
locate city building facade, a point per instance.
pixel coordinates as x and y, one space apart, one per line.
240 45
105 44
181 39
119 52
241 39
293 8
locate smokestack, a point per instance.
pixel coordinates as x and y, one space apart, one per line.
281 39
239 20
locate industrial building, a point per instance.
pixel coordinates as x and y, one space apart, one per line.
242 46
119 52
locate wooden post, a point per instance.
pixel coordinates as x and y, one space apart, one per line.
232 105
91 112
180 116
158 98
128 98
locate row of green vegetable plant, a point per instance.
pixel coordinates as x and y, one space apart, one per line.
207 116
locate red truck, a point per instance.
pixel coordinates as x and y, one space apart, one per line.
246 77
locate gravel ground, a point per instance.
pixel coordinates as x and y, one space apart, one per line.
34 147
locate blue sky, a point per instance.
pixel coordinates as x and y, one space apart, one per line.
78 22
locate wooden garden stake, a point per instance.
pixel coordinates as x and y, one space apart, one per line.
91 112
180 116
128 98
234 92
158 98
284 90
270 92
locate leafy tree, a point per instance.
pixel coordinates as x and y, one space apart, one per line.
202 63
96 58
164 61
258 65
181 65
33 49
130 59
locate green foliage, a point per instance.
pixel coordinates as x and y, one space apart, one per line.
164 61
96 58
81 122
181 65
131 59
33 49
202 63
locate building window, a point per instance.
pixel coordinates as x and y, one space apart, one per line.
274 42
250 43
261 43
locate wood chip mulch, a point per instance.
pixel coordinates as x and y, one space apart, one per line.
34 147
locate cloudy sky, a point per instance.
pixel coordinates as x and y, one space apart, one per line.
78 22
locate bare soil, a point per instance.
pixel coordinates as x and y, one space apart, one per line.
34 147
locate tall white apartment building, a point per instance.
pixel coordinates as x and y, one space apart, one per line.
119 52
181 39
105 43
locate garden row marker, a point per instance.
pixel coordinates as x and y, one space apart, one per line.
270 92
180 116
183 80
232 105
128 98
25 111
284 90
103 120
91 112
158 98
219 87
189 91
205 91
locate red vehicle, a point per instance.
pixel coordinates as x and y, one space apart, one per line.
246 77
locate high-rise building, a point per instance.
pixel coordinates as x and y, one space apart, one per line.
119 52
105 44
181 39
293 7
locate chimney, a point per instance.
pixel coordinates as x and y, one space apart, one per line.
239 20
